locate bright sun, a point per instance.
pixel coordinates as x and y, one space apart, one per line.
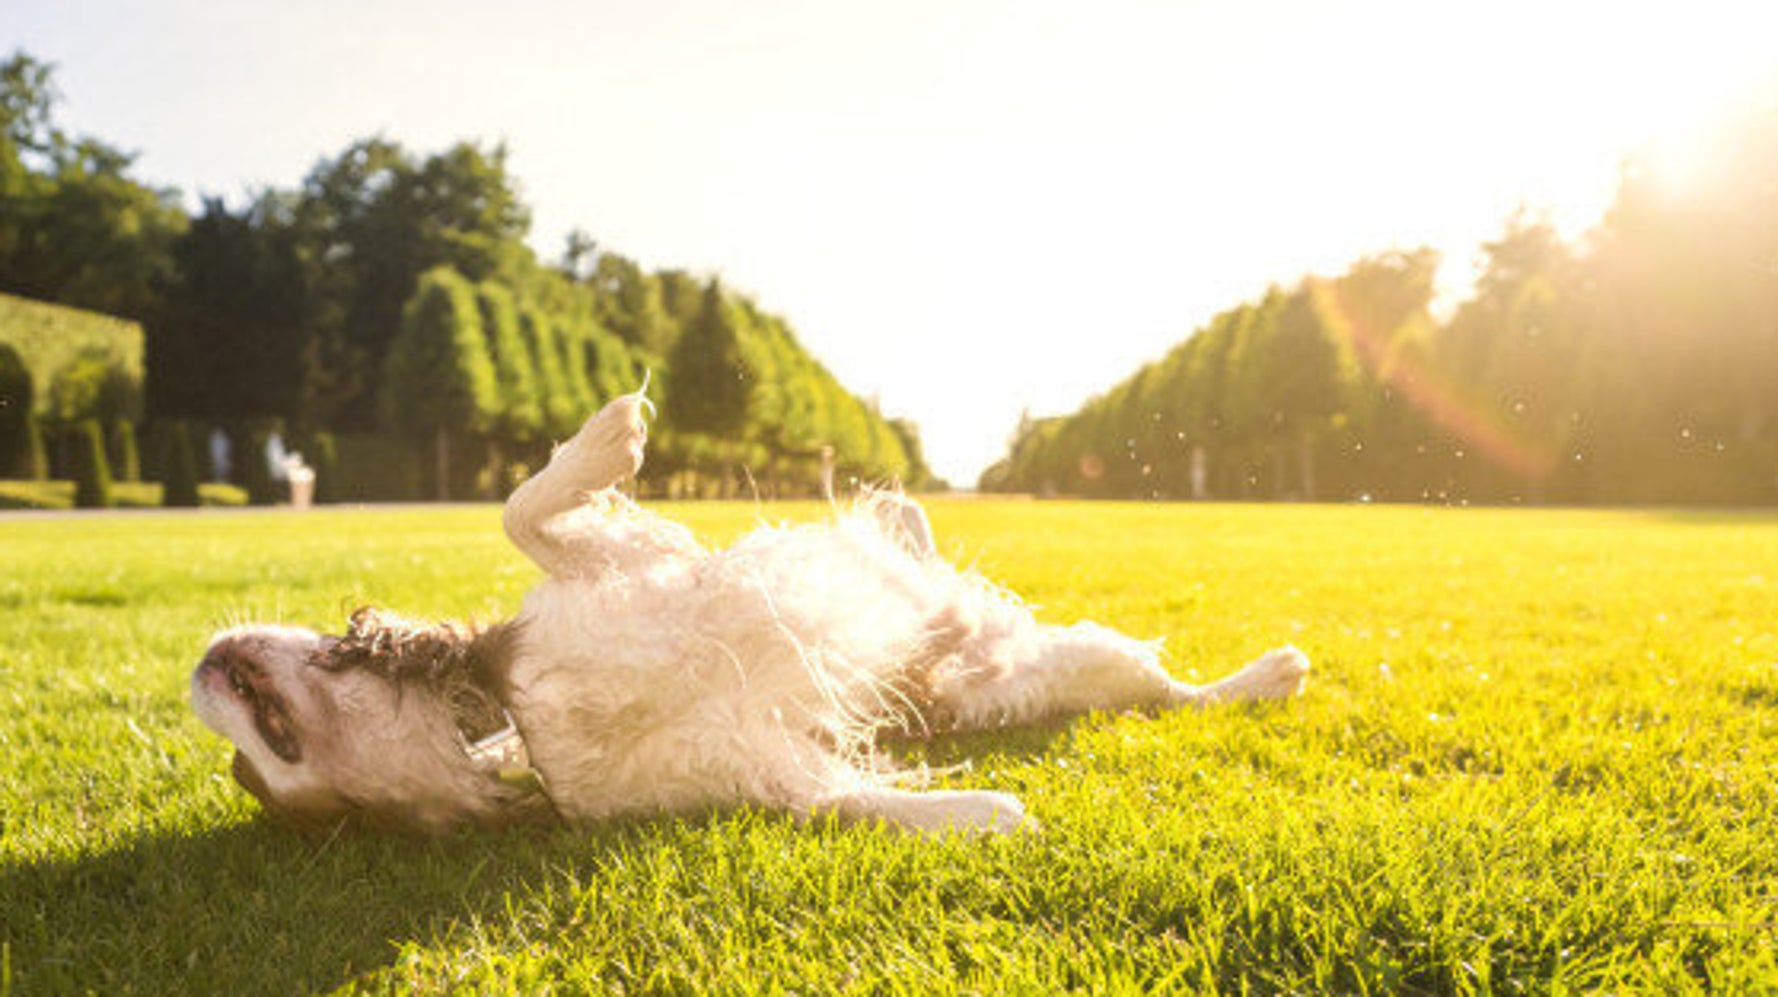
1695 76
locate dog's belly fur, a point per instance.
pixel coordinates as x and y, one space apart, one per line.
756 673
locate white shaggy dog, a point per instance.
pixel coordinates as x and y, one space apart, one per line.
647 674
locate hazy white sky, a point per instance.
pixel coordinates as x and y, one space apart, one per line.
966 209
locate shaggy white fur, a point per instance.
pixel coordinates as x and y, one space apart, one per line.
648 674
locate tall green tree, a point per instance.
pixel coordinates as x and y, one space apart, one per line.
630 305
573 338
378 218
712 385
232 338
75 227
562 410
520 416
438 379
1518 357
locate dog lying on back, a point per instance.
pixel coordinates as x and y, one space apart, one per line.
648 674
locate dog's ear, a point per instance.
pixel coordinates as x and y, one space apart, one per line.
404 649
466 666
490 654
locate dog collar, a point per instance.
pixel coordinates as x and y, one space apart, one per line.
503 755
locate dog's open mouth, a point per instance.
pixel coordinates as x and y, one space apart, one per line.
242 679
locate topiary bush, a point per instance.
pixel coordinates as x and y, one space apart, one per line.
35 466
126 457
17 395
251 470
92 473
179 463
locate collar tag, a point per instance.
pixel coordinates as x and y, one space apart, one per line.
502 754
500 750
521 777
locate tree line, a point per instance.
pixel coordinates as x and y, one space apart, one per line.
1637 364
388 318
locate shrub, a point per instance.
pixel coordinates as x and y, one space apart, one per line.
35 466
248 444
92 474
180 466
16 421
125 455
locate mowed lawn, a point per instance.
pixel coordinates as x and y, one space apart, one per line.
1537 754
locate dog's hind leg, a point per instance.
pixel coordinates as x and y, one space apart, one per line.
1060 671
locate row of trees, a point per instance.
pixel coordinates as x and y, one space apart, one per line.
741 396
391 296
1637 365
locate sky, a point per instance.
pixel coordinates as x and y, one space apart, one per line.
968 210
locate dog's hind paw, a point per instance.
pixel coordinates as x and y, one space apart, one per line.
1276 674
979 812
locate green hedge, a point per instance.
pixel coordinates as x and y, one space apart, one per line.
52 337
58 495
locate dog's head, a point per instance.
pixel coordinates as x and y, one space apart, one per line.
394 724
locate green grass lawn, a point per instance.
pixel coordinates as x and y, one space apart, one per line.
1537 754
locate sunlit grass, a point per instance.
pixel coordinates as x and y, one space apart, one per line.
1537 754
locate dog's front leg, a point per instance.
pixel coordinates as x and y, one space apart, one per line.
607 450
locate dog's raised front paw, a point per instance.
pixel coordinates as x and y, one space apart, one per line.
609 447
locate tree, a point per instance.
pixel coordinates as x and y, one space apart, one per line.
711 382
563 411
520 416
1310 379
378 219
438 378
1518 360
578 253
630 307
1677 306
234 335
918 474
610 368
74 228
1381 307
573 333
